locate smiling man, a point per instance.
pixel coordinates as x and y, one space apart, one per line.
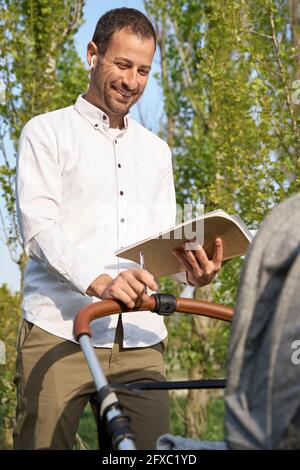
91 180
120 72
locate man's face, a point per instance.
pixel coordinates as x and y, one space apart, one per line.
121 75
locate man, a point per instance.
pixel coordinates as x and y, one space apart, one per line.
89 181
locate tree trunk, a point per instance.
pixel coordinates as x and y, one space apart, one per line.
197 400
294 8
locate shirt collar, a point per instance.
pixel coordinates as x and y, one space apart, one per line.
95 115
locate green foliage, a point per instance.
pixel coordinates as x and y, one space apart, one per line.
227 71
9 325
40 68
215 422
39 71
215 418
87 429
206 351
177 415
227 89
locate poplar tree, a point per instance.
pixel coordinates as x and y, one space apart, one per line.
40 70
228 72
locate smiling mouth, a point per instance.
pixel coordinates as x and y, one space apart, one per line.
123 93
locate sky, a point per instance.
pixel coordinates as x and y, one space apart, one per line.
151 106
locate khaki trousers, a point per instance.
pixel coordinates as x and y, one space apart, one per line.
54 385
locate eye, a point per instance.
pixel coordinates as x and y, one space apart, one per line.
144 72
121 65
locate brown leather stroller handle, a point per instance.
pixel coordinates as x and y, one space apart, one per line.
204 308
100 309
104 308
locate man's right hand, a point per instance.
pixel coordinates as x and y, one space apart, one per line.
128 286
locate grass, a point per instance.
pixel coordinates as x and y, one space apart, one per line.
215 421
88 430
214 432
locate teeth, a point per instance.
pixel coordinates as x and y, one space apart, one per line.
123 93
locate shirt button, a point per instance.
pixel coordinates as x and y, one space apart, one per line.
104 117
96 125
119 165
121 192
116 141
122 220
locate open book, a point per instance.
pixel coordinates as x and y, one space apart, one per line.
157 250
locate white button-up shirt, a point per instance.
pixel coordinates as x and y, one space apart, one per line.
82 193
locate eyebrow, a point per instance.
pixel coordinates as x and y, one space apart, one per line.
131 63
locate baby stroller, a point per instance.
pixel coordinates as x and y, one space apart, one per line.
110 417
262 396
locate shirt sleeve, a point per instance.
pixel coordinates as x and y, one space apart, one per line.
39 194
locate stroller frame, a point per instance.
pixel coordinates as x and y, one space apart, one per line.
113 426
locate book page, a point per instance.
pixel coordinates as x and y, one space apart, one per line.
159 259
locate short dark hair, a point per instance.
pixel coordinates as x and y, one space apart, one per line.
117 19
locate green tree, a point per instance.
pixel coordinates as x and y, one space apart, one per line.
40 70
9 322
227 72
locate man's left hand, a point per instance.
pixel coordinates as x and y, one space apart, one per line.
200 270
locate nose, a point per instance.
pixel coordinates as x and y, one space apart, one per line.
130 80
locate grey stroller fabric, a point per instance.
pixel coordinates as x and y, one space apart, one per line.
170 442
262 399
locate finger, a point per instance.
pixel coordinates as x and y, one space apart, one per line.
146 278
140 300
200 256
191 258
136 297
136 285
132 277
218 253
129 278
125 282
185 263
177 253
118 294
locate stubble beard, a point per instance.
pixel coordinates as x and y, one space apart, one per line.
106 92
110 103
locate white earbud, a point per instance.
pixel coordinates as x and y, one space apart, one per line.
92 62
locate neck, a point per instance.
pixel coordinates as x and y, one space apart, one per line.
115 120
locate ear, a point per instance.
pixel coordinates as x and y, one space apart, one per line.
91 54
